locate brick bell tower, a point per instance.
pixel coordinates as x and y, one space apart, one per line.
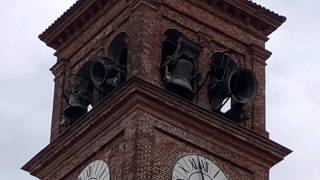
159 89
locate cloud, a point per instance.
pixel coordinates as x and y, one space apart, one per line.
26 82
292 89
293 85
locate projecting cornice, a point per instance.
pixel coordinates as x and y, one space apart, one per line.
83 12
139 94
71 21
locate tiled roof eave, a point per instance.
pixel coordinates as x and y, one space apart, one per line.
62 18
48 34
265 10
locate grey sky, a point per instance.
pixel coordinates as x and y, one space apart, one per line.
26 85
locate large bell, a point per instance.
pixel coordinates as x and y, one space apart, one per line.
101 70
242 86
105 74
75 109
221 69
179 78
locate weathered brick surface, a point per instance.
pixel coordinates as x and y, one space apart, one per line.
141 131
144 143
115 146
145 22
148 148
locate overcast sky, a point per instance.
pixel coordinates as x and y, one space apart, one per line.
26 85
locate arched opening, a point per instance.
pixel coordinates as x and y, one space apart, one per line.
109 71
179 56
118 51
230 87
78 96
170 44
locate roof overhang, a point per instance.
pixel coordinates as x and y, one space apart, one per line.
81 12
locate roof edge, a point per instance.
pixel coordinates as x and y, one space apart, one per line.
82 10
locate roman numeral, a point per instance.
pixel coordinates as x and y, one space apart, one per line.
193 163
89 172
204 166
184 169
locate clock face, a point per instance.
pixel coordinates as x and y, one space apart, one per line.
96 170
195 167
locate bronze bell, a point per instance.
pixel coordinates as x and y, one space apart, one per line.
179 78
242 86
223 66
101 70
179 75
105 73
75 109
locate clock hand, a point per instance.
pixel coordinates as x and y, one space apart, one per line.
216 173
200 169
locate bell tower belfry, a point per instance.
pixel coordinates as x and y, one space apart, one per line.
159 89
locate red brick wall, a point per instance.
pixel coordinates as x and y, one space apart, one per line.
145 23
143 146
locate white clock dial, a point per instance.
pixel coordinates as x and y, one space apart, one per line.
96 170
195 167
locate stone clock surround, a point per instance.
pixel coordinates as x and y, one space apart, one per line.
144 131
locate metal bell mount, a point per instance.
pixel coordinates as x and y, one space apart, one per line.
179 75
